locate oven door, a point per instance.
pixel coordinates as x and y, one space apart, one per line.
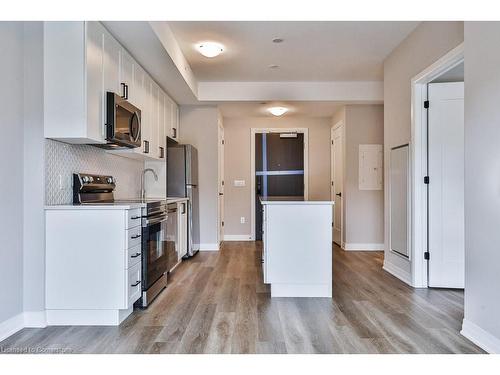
123 122
154 250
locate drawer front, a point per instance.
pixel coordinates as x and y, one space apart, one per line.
134 237
133 218
134 284
133 256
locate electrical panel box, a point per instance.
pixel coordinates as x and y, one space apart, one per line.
370 167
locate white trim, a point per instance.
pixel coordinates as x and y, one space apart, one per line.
397 272
35 319
237 237
364 246
339 124
418 160
480 337
220 177
208 247
87 317
254 131
11 326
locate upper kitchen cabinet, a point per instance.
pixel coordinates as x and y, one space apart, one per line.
83 61
73 89
173 129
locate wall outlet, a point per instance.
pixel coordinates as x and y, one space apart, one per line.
242 220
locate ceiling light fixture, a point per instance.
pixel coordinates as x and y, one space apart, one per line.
273 66
210 49
277 40
278 111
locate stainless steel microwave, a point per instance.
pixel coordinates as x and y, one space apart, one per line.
123 122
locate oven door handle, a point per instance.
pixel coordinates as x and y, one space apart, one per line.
155 220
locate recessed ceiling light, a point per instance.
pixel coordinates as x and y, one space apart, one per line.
278 111
277 40
210 49
273 66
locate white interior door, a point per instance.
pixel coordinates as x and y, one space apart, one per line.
337 183
221 182
446 185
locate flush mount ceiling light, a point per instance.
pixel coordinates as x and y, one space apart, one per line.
210 49
278 111
278 40
273 66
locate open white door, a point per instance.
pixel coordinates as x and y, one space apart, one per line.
337 183
446 185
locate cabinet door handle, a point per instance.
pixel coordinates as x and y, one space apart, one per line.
124 90
183 208
162 153
175 132
146 147
136 236
135 217
136 283
135 255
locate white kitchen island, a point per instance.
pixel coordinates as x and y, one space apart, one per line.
297 246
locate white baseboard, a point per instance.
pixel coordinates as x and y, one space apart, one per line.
35 319
11 326
208 247
237 237
363 246
397 272
480 337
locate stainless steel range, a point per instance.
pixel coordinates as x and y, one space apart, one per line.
157 243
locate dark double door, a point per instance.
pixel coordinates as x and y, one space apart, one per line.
279 169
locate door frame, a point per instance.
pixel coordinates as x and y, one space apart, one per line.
254 131
339 124
418 163
220 181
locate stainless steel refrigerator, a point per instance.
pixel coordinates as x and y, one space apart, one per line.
182 181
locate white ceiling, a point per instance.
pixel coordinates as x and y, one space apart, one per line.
259 109
311 51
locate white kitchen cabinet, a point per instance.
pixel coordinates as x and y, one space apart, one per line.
174 130
127 77
162 137
73 89
182 228
297 248
111 64
154 121
82 61
93 264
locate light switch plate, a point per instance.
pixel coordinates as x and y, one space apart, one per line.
239 183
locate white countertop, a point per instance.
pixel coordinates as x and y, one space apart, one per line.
96 206
119 205
291 200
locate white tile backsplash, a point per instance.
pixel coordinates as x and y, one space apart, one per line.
62 160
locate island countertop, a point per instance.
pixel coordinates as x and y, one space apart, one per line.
290 199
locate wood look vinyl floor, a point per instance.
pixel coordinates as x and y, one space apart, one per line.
216 303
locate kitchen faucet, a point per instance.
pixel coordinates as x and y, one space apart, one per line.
143 190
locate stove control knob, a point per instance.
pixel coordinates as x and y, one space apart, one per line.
109 180
91 179
85 179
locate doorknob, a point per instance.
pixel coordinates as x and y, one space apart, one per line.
339 195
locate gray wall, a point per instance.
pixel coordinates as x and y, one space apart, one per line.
33 189
237 164
425 45
11 167
364 209
198 126
482 176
